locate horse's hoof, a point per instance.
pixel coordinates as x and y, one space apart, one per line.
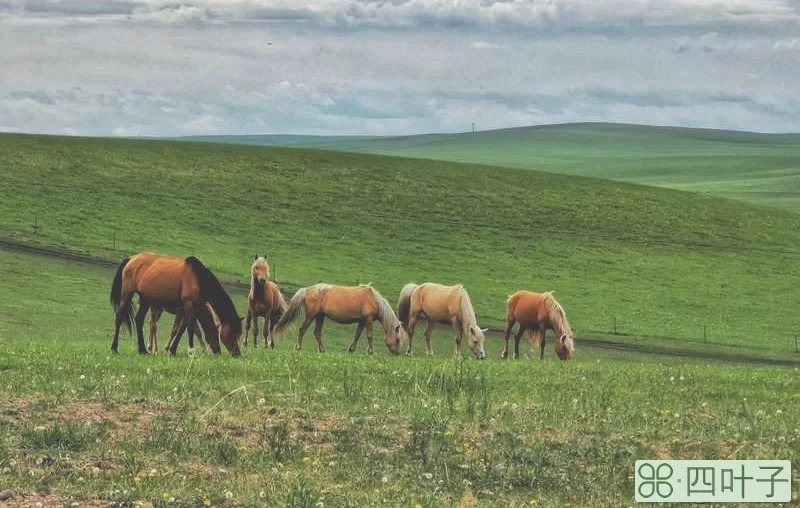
504 354
409 353
370 352
297 347
144 352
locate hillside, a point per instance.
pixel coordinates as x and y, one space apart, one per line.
661 262
758 168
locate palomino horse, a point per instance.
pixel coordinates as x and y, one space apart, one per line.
538 313
441 304
265 300
171 282
344 305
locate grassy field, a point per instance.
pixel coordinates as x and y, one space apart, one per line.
757 168
282 428
660 262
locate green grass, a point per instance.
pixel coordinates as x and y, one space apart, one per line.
664 263
283 428
757 168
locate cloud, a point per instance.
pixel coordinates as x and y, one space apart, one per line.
485 45
530 14
792 44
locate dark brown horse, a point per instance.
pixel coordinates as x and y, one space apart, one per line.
264 300
184 284
208 327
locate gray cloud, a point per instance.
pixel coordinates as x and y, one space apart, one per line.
155 68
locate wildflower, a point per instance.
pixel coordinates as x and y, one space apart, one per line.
81 479
778 412
149 371
385 479
375 406
513 406
165 495
332 463
672 378
137 480
261 401
83 377
681 378
306 459
95 470
262 494
206 502
427 476
228 494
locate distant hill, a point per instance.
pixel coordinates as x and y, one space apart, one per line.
758 168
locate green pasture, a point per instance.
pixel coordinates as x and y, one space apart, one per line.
661 263
285 428
756 168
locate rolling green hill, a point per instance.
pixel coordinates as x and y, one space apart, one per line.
758 168
661 262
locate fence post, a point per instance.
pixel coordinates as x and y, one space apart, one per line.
114 242
615 325
36 224
796 349
705 334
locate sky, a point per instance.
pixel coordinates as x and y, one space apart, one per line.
394 67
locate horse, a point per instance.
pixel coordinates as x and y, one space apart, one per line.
264 300
171 282
204 318
538 313
345 305
444 305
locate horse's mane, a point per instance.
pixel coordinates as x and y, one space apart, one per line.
557 316
216 295
385 312
466 312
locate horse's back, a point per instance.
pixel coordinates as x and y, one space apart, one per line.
526 306
345 303
156 277
437 301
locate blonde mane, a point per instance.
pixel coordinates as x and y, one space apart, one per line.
386 314
557 316
466 312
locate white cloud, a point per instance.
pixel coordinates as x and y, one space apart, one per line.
792 44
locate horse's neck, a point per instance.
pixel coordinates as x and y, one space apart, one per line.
257 289
467 316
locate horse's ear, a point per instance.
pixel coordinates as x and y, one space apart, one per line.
484 330
255 256
472 330
563 338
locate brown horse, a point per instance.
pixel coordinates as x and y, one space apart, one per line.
171 282
538 313
265 300
441 304
344 305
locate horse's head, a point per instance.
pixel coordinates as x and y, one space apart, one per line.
564 346
227 333
259 270
395 338
476 341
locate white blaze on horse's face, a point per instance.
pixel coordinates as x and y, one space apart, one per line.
476 341
260 269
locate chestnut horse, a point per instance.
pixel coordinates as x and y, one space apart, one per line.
344 305
171 282
265 300
448 305
538 313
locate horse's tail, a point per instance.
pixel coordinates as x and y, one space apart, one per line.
293 309
404 304
279 311
116 296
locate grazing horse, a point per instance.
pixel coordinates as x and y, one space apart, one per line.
538 313
344 305
449 305
265 300
171 282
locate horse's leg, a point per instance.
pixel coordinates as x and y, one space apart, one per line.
542 339
507 333
318 331
155 315
303 329
458 335
173 331
428 333
177 332
141 314
517 338
255 330
370 349
359 329
247 326
412 324
267 333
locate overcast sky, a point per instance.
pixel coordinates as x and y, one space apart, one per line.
152 67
